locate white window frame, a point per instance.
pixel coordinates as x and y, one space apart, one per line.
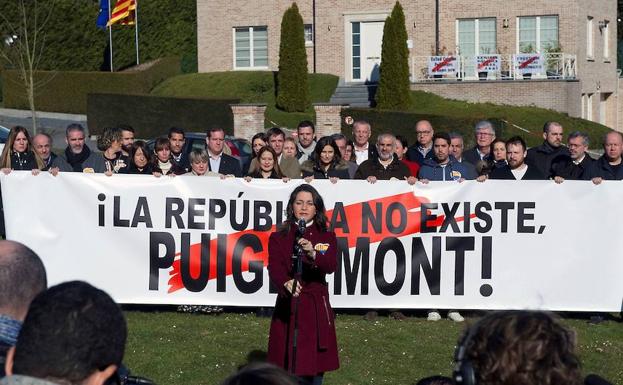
251 66
538 47
590 46
606 39
476 33
308 43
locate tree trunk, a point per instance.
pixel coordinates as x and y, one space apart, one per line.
31 101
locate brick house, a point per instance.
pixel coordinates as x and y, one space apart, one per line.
344 38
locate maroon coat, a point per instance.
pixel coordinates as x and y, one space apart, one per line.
317 343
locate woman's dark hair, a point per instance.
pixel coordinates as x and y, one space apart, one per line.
260 374
352 145
320 219
522 348
262 137
492 145
142 146
275 159
320 145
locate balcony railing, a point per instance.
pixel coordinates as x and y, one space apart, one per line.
493 67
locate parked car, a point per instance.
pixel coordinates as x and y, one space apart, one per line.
240 148
4 135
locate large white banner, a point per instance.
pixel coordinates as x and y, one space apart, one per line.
196 240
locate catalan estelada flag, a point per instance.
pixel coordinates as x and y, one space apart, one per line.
123 12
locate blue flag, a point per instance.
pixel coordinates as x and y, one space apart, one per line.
102 17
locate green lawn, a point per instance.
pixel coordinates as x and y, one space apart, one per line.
258 87
187 349
250 87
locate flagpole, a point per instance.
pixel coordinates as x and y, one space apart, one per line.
136 31
110 37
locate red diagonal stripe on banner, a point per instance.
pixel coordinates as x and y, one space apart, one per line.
528 62
486 63
443 63
354 213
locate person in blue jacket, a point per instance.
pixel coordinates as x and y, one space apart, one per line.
443 166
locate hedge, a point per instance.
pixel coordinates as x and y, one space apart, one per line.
67 91
152 116
74 43
403 123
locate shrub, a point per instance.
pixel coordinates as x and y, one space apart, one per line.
403 123
393 91
292 85
152 116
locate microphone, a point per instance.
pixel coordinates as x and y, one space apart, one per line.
302 225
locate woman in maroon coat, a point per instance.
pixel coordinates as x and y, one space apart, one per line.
317 343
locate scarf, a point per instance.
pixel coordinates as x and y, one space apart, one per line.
9 330
76 160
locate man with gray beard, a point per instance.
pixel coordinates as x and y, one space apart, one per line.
386 166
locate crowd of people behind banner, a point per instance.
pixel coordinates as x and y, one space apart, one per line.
436 156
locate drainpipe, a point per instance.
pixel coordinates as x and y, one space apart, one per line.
314 31
437 27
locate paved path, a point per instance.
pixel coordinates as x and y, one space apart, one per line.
52 123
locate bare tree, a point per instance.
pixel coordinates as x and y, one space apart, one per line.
23 44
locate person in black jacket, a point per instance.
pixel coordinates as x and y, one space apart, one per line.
268 166
552 150
516 169
141 161
18 153
423 148
179 157
42 145
326 163
219 161
386 165
577 163
363 149
77 152
609 166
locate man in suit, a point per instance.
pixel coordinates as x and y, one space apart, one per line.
574 166
485 135
361 139
219 161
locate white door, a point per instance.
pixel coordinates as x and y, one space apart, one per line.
371 43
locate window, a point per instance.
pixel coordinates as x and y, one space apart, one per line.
537 34
356 35
251 47
590 50
309 34
476 36
605 31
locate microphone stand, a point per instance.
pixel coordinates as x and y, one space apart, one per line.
298 272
